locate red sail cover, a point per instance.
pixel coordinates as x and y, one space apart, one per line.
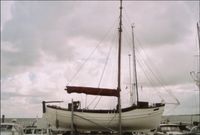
92 91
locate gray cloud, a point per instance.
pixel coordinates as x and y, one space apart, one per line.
161 23
34 29
46 27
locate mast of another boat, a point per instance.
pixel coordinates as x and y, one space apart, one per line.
198 76
134 65
198 72
119 68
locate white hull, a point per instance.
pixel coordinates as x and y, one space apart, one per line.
133 120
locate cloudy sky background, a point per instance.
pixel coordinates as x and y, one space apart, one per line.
44 45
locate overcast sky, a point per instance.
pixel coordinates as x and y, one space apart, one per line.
45 43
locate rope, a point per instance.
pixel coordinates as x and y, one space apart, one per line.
148 78
148 67
85 61
159 79
112 118
105 65
109 129
86 106
97 102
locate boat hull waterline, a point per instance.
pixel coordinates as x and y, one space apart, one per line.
134 120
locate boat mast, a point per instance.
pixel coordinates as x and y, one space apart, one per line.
134 66
198 74
198 32
119 68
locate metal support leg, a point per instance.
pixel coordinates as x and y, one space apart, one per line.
72 119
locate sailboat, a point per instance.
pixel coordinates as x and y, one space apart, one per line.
137 117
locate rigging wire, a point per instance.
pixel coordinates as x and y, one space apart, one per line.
149 78
138 60
112 118
159 79
89 56
102 74
105 65
130 68
127 19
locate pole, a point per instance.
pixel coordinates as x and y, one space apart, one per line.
43 107
72 119
3 118
198 72
198 75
